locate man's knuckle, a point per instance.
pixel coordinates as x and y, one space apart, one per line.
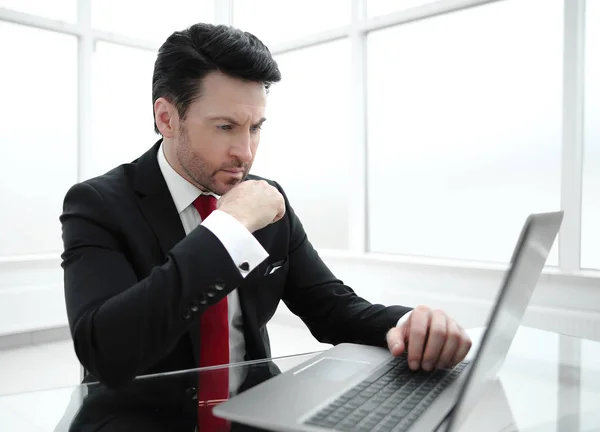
454 335
437 331
422 308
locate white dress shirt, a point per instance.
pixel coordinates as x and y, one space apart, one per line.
237 240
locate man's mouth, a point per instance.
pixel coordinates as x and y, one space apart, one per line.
235 172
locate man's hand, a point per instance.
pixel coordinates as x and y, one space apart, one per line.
433 340
255 203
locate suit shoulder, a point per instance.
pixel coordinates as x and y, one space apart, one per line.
113 183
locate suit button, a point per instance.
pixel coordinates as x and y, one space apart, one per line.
191 392
202 300
187 314
219 286
245 266
211 293
194 306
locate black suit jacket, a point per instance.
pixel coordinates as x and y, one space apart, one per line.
136 285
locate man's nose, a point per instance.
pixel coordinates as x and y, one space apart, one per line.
243 148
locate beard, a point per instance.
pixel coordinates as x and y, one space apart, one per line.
201 172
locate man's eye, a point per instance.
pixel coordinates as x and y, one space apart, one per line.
256 128
224 127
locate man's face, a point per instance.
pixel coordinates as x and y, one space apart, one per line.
216 144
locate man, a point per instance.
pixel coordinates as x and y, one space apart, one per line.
179 259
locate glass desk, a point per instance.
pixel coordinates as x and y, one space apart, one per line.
548 382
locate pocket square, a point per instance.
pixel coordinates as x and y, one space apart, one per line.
273 267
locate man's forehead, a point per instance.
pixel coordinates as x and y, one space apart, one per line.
217 85
232 100
233 107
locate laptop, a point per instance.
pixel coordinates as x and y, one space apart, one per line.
352 387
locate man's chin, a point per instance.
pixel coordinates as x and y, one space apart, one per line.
221 188
224 183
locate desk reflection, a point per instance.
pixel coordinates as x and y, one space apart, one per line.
548 382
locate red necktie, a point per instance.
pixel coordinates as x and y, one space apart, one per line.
213 387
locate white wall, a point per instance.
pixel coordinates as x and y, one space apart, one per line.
31 294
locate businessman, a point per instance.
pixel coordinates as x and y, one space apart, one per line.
180 258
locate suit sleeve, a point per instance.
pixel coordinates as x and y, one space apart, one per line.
333 312
121 324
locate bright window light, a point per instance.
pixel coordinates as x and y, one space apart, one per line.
464 130
152 21
122 121
61 10
275 22
383 7
306 138
38 155
590 224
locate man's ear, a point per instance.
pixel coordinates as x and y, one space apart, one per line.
166 117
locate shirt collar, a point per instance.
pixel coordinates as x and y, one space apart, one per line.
182 191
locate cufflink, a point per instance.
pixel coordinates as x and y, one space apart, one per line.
244 266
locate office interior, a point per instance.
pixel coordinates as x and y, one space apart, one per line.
413 138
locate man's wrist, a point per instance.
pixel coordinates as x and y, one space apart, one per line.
239 218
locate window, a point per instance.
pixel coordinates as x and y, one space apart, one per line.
464 130
383 7
590 209
150 21
274 24
122 121
62 10
38 155
304 142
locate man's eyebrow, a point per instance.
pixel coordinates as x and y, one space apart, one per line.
233 121
225 118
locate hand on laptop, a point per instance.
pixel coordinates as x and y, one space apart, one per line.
432 339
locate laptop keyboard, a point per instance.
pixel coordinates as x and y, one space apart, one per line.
390 399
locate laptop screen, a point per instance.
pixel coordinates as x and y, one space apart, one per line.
527 262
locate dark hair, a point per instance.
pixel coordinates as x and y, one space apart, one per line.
188 56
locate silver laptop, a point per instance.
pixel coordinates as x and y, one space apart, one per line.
359 388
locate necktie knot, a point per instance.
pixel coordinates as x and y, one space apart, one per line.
205 204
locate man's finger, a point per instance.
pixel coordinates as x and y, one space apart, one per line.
417 333
395 340
435 340
451 345
463 348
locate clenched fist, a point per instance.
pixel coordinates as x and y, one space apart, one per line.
255 203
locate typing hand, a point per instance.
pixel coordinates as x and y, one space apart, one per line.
433 339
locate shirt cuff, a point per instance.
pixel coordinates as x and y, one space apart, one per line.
243 248
403 318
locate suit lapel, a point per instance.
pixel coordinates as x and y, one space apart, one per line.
157 206
161 214
155 201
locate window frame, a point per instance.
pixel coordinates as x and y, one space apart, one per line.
356 32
